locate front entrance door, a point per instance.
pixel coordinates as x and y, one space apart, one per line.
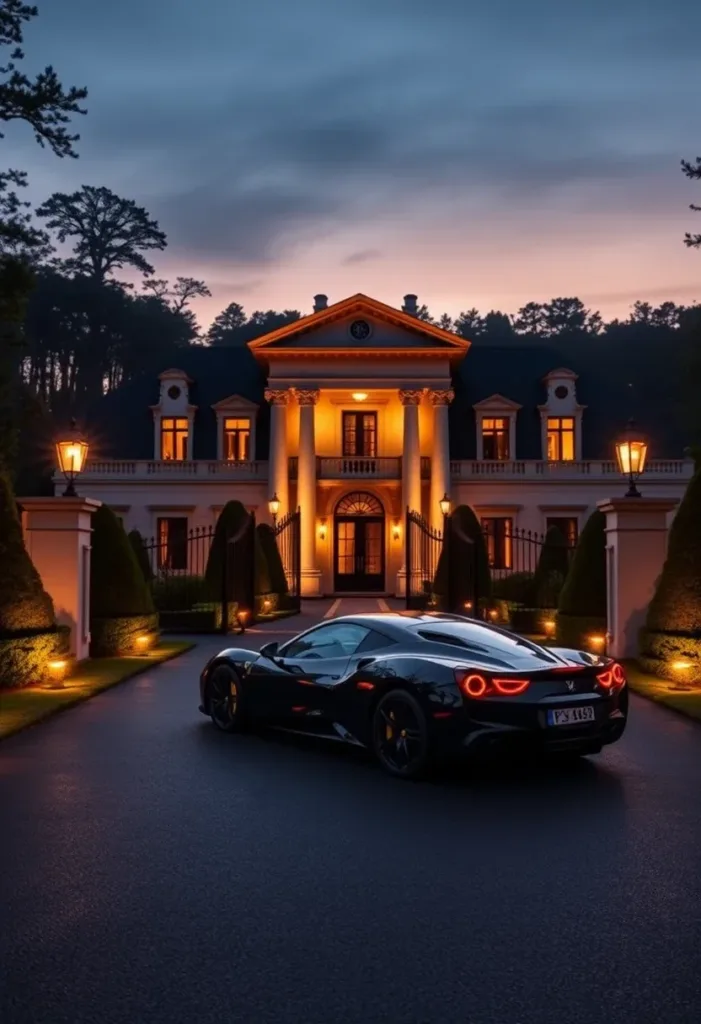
359 544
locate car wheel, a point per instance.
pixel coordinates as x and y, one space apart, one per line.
225 699
400 735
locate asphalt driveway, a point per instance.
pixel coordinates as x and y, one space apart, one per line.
154 870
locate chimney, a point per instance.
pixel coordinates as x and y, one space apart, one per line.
320 302
410 305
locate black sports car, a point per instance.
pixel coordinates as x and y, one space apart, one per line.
413 686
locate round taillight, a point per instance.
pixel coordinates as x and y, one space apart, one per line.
619 676
475 686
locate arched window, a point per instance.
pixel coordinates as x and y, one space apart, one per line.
359 504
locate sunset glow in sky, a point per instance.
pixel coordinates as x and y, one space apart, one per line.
475 153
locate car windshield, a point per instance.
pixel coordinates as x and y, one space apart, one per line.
484 640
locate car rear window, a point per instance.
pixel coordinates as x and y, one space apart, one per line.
488 641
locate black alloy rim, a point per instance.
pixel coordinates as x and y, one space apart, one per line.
223 698
399 738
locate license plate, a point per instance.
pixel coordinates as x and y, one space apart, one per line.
570 716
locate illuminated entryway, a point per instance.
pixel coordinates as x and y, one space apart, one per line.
359 544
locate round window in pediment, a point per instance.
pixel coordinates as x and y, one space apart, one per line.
562 391
359 330
174 392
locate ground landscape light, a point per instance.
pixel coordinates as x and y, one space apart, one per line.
57 670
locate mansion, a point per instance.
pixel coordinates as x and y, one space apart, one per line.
354 414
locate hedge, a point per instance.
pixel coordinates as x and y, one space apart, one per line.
582 605
551 571
230 524
24 658
117 635
121 605
25 607
139 547
532 621
271 554
672 628
470 563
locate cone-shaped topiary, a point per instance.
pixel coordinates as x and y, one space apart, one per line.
271 553
121 605
139 548
231 528
551 570
29 637
673 624
469 561
24 604
582 605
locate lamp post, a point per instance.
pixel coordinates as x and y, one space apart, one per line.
274 507
631 455
444 505
71 453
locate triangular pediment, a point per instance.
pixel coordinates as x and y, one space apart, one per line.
497 403
359 325
234 403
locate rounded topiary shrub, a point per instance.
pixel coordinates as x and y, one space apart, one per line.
468 559
581 609
551 570
121 605
231 549
139 547
29 637
672 630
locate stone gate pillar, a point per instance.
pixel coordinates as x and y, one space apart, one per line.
636 548
57 535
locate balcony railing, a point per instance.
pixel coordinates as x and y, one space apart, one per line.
201 469
526 469
354 467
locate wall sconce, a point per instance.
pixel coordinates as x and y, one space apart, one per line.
396 531
274 507
322 530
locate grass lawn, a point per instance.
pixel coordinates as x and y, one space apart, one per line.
20 708
664 691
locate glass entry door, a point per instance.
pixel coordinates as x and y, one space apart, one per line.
359 545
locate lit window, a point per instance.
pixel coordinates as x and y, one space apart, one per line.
360 434
498 535
237 440
568 527
560 439
495 439
174 438
172 543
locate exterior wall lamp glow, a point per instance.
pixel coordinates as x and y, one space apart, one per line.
322 530
71 454
445 505
274 507
631 455
396 531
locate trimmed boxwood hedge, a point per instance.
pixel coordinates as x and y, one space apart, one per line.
139 546
551 571
582 605
271 553
672 628
24 658
121 605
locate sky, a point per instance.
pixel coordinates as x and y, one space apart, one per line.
477 154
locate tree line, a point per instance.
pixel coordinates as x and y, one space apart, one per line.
71 328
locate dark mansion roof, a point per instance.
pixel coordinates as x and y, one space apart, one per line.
122 424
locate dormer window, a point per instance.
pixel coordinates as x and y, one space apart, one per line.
561 438
495 438
236 441
175 432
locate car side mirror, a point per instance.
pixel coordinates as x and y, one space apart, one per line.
269 650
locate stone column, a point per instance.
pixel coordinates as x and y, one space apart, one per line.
57 533
440 455
636 548
278 468
306 492
411 454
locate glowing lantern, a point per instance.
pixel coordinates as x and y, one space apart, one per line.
71 453
631 454
274 507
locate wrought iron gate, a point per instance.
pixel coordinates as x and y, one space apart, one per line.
288 538
440 567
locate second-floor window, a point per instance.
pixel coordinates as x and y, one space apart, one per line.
237 440
498 535
495 439
360 434
560 438
174 438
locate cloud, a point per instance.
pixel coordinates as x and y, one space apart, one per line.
362 256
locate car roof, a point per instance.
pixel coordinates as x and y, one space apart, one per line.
404 619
